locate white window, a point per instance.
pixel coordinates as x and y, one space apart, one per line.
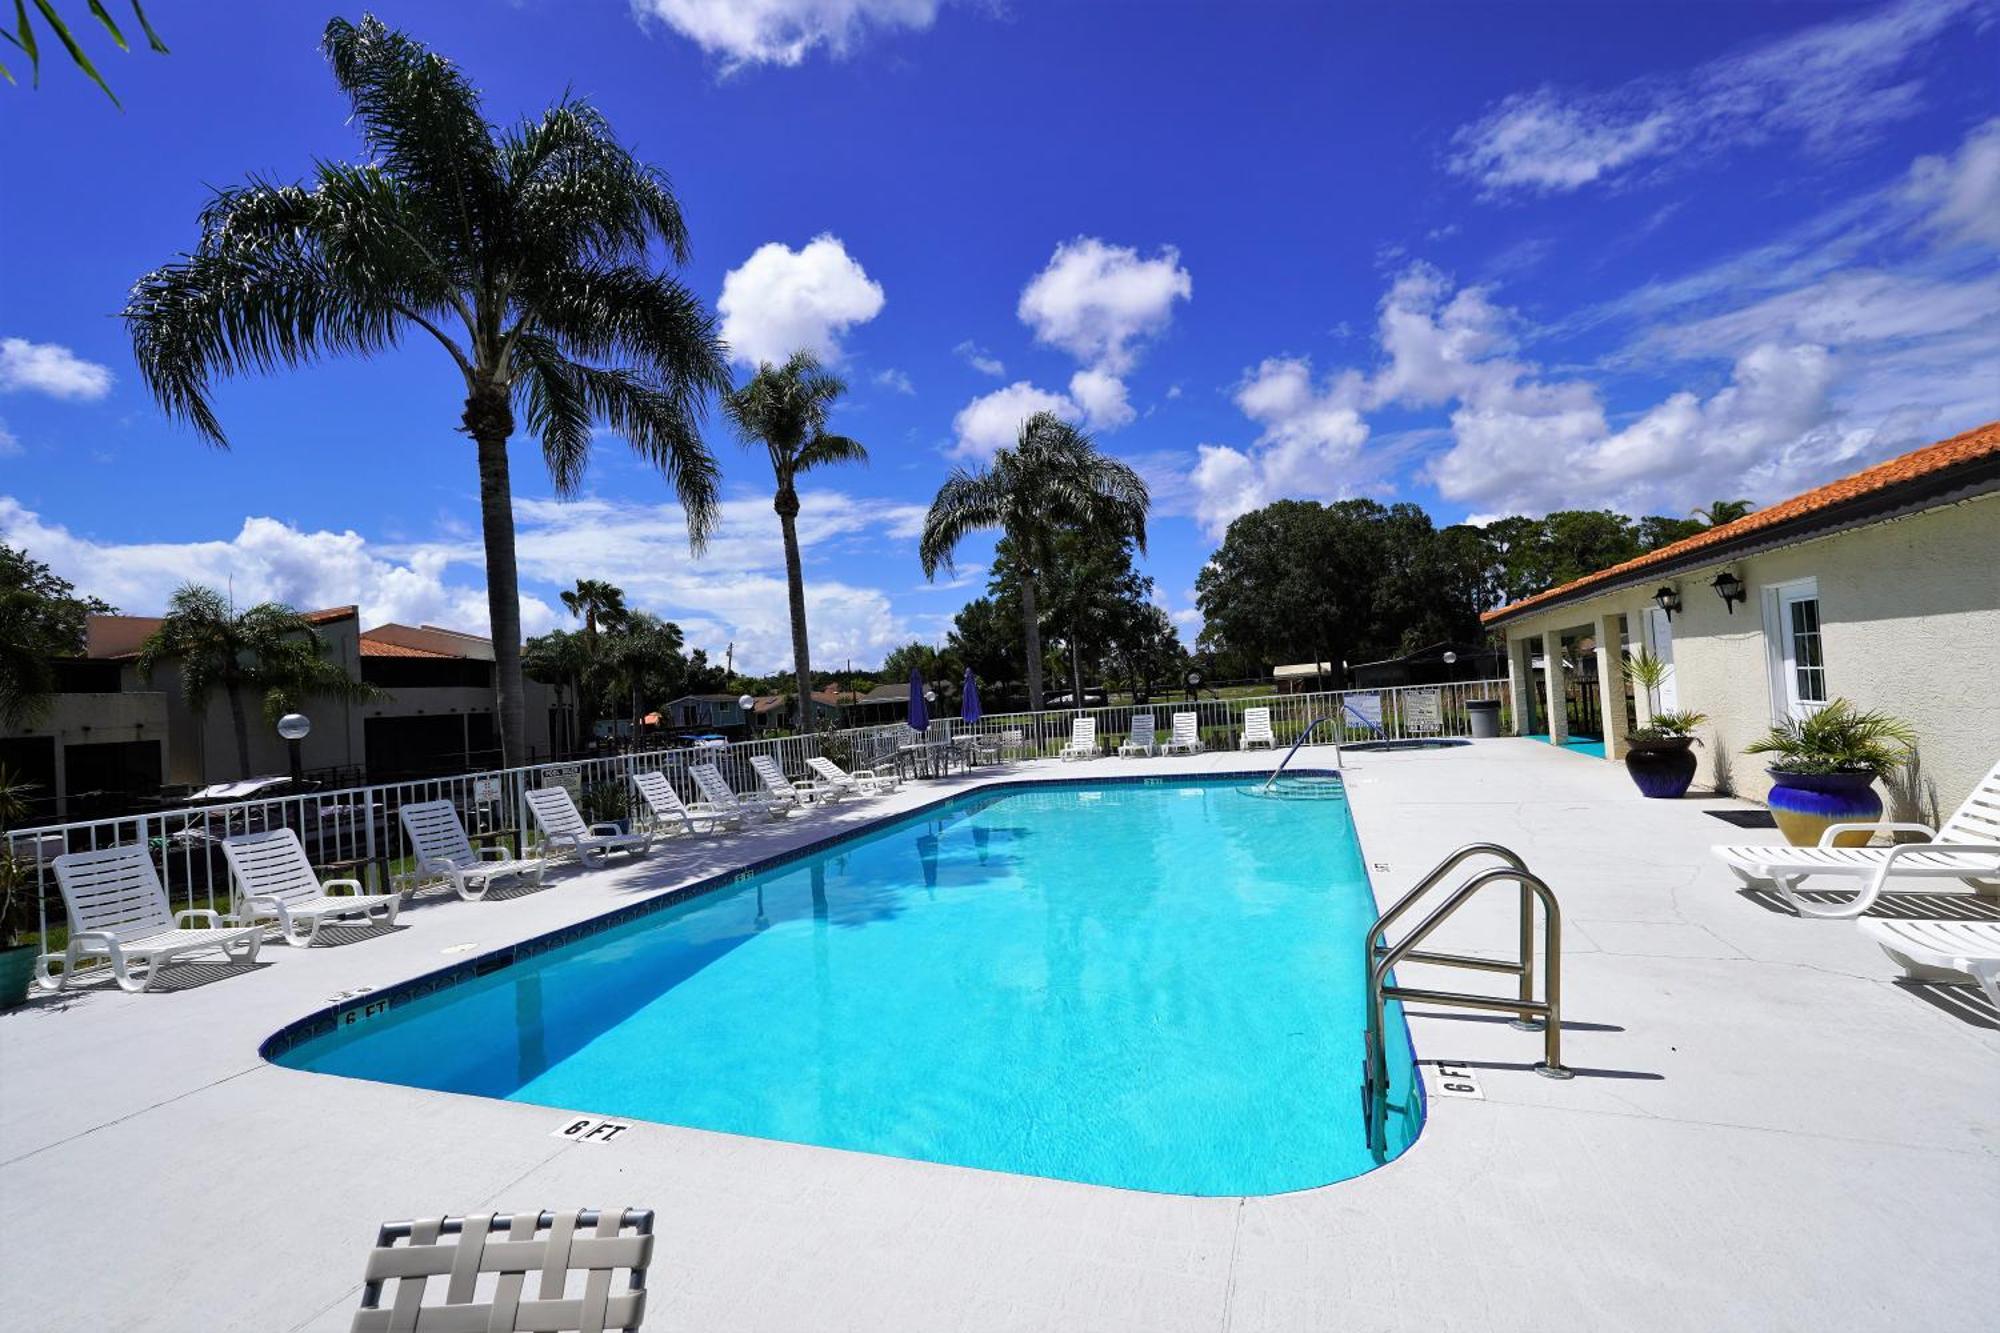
1798 659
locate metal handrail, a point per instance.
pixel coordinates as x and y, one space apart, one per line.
1304 736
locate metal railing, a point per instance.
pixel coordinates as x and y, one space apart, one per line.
1304 736
1530 1013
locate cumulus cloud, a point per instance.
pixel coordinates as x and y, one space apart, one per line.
50 368
1100 398
780 300
980 359
1831 87
1096 300
782 32
992 421
1962 191
1311 435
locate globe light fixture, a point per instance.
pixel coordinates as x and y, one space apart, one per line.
1450 658
294 728
747 702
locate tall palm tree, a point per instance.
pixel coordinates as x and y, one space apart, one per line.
270 651
598 605
785 409
1053 478
1717 512
523 252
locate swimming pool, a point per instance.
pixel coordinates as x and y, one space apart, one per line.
1156 985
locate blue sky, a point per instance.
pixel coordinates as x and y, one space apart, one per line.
1489 258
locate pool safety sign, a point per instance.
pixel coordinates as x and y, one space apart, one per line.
590 1129
1453 1080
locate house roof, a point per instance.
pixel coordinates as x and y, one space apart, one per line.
383 648
1935 474
887 694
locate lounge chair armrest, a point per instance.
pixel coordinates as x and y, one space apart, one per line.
202 914
334 886
606 829
493 853
1833 831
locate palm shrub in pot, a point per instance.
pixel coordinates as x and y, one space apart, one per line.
1659 756
1825 768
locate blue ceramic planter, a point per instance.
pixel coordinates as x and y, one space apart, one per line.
1662 769
1807 804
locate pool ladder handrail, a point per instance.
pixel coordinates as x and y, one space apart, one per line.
1530 1013
1304 736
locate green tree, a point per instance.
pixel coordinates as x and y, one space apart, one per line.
1657 530
987 639
24 40
597 604
561 659
1053 479
269 651
1717 512
41 617
523 252
643 653
785 409
1146 649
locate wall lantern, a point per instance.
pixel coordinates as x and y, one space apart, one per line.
1730 589
1669 599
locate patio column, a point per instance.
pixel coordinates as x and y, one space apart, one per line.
1521 683
1553 697
1611 682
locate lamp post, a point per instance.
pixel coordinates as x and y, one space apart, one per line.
295 727
748 703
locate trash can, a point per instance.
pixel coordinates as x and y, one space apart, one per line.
1485 717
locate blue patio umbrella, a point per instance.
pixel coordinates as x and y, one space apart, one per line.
920 714
969 707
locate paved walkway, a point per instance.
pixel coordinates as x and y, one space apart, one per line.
1768 1131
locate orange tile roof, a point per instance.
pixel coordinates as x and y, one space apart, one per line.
329 615
381 648
1975 445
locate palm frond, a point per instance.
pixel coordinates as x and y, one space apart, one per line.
578 194
966 503
625 312
829 451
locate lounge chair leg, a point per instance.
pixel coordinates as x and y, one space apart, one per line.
121 971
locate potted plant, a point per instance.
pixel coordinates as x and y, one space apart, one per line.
1827 764
1660 757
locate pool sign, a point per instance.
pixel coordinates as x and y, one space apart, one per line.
486 791
1455 1080
590 1129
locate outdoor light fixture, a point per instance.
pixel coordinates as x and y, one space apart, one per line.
295 727
930 696
1449 658
746 702
1730 589
1669 598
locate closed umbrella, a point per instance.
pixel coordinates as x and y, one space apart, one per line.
920 714
969 708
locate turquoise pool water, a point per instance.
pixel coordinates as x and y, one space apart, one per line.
1156 986
1590 745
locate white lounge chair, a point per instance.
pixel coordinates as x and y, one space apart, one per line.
563 829
1949 951
1363 710
118 912
1967 848
1257 730
1082 739
274 880
716 791
442 849
861 782
781 791
1186 738
1141 739
657 791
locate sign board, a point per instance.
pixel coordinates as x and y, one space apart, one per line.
1455 1080
1420 711
486 791
590 1129
567 776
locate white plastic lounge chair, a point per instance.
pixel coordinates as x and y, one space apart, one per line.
716 791
669 810
1187 735
442 849
1949 951
1967 848
1141 739
275 879
119 912
861 782
1082 739
510 1253
781 791
1364 711
1257 730
563 829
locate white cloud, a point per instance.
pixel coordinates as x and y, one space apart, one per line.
1310 437
10 444
1101 399
782 32
992 421
51 369
1096 300
1962 193
780 300
1831 87
895 381
980 359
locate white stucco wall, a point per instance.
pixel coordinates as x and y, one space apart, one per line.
1910 622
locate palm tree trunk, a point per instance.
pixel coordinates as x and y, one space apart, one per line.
1031 637
1075 670
242 726
787 505
490 420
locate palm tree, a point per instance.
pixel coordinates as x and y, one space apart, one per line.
785 408
1052 479
599 605
23 39
1717 512
644 650
523 252
269 650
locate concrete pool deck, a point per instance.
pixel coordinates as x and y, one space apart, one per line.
1768 1131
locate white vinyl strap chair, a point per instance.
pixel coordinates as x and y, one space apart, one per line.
1082 739
274 879
119 912
563 829
861 782
442 849
782 791
510 1254
1949 951
1966 848
716 791
1141 739
1257 730
1186 738
669 810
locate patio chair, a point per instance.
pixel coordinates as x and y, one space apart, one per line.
1013 743
1966 848
119 912
782 791
1257 730
1186 738
1364 711
861 782
543 1247
274 879
1141 739
1082 739
668 809
563 829
1949 951
442 849
716 791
